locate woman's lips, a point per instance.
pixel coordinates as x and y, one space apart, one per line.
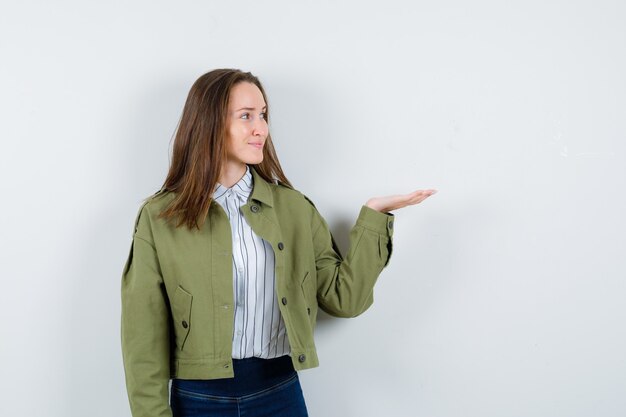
256 145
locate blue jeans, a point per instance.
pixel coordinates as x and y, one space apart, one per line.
261 387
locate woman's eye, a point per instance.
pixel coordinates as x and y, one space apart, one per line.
247 115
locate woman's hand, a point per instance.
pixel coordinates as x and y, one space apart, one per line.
396 201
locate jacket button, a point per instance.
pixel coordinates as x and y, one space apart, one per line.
280 245
185 325
308 311
391 224
254 208
284 300
301 358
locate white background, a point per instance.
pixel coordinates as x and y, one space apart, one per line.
505 292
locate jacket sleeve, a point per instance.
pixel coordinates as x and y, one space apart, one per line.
145 326
345 287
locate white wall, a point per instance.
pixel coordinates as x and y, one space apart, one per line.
505 292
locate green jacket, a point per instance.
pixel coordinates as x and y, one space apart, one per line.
177 286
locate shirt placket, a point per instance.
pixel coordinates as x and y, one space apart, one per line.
239 272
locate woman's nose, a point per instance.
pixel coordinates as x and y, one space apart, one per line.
260 127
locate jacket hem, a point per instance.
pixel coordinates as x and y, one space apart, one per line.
223 368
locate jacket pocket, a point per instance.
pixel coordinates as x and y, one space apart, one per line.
385 248
181 312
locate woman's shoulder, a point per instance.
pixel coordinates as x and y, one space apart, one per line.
158 200
285 191
153 204
294 197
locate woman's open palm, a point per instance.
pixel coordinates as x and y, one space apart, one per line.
396 201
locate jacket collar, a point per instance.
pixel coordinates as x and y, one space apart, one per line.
261 190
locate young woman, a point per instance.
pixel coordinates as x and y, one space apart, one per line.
229 265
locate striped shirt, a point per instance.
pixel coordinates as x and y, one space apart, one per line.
259 329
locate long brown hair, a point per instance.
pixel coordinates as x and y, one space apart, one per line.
200 147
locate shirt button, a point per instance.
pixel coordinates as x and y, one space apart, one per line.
280 245
301 358
241 270
284 300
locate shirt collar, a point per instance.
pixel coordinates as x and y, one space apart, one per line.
241 189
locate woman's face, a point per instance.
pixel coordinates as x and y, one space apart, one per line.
246 126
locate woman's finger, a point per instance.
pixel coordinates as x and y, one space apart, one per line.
419 197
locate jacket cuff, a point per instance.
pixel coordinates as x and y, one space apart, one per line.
376 221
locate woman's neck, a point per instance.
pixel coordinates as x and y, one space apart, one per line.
232 172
